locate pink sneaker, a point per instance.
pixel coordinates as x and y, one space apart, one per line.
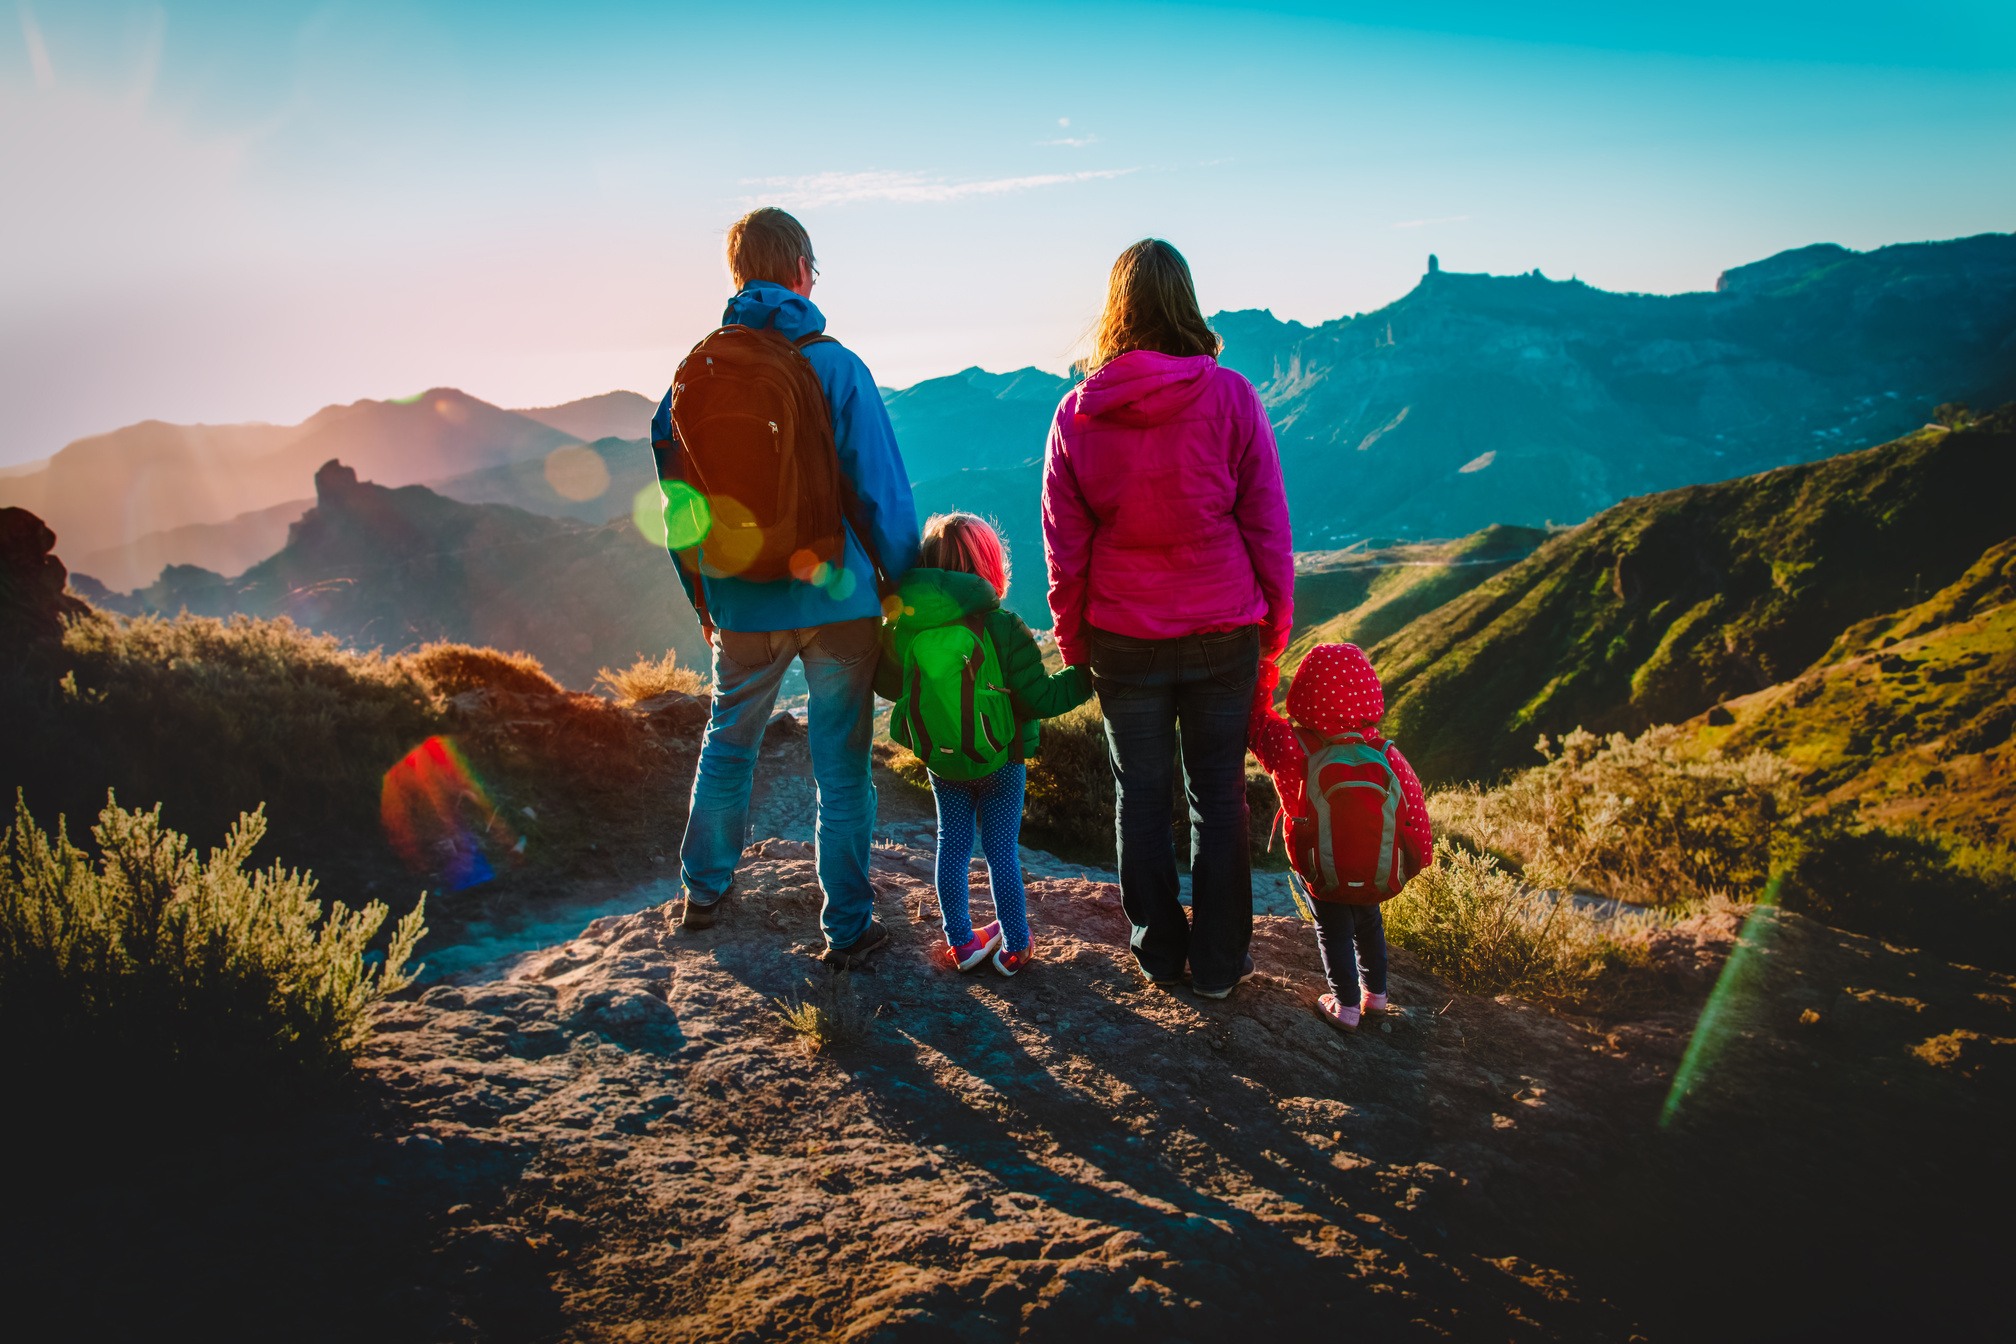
1372 1003
1008 962
975 950
1336 1013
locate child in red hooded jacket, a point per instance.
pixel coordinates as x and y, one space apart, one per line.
1336 691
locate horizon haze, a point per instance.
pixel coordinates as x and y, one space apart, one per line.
226 214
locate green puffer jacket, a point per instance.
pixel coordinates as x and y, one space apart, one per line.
933 597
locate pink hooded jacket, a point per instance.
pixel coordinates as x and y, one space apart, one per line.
1163 510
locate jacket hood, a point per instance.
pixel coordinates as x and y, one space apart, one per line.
1336 691
940 596
761 303
1143 388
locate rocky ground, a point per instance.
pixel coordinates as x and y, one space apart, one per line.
615 1135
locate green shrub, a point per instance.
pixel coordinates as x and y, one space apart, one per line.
1905 885
155 964
1638 819
1480 928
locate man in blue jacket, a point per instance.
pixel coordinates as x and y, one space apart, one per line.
761 627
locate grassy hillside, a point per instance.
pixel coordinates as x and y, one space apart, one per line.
1668 604
1362 594
1909 715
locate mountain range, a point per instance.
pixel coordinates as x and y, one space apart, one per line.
1472 400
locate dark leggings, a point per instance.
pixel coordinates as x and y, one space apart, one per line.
1338 928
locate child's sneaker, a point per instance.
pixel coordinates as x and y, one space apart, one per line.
975 949
1372 1003
1009 961
1336 1013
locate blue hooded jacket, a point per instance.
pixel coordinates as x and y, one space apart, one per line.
868 454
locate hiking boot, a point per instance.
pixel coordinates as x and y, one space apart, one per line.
1163 980
1337 1014
696 917
1008 962
1244 975
1372 1003
855 954
975 949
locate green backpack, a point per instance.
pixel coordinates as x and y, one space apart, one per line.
955 713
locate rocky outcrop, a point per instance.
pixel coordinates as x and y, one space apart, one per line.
394 568
33 602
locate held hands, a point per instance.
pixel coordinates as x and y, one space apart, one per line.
1263 699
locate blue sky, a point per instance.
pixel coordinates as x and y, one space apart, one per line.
246 211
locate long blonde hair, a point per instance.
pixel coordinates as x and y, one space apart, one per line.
1151 304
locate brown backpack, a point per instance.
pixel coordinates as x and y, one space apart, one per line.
753 434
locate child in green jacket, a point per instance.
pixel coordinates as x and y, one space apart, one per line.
986 704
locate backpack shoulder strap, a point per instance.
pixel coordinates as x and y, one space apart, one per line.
850 497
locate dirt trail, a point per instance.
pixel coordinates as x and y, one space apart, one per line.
1072 1153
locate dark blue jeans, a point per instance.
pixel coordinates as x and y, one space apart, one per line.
1339 929
1152 691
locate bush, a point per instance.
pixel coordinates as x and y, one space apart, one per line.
1070 795
1480 928
453 669
650 677
155 965
1906 885
216 717
1639 820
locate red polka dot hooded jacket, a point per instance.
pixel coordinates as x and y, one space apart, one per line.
1335 691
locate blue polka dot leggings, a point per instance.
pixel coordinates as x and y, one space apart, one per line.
997 801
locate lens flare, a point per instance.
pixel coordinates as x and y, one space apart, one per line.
577 472
647 513
439 817
840 585
737 538
807 567
687 519
1741 982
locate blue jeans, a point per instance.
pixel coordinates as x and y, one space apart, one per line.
840 721
1150 691
995 800
1340 929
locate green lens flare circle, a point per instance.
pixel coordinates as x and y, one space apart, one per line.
688 520
672 513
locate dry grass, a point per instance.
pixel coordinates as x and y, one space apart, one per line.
650 677
1070 792
1483 930
829 1016
452 669
1642 820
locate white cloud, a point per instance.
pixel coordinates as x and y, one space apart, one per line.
909 188
1075 143
38 50
1423 223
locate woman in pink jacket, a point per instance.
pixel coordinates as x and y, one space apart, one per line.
1172 574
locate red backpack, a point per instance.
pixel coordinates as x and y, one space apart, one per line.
1347 845
753 434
